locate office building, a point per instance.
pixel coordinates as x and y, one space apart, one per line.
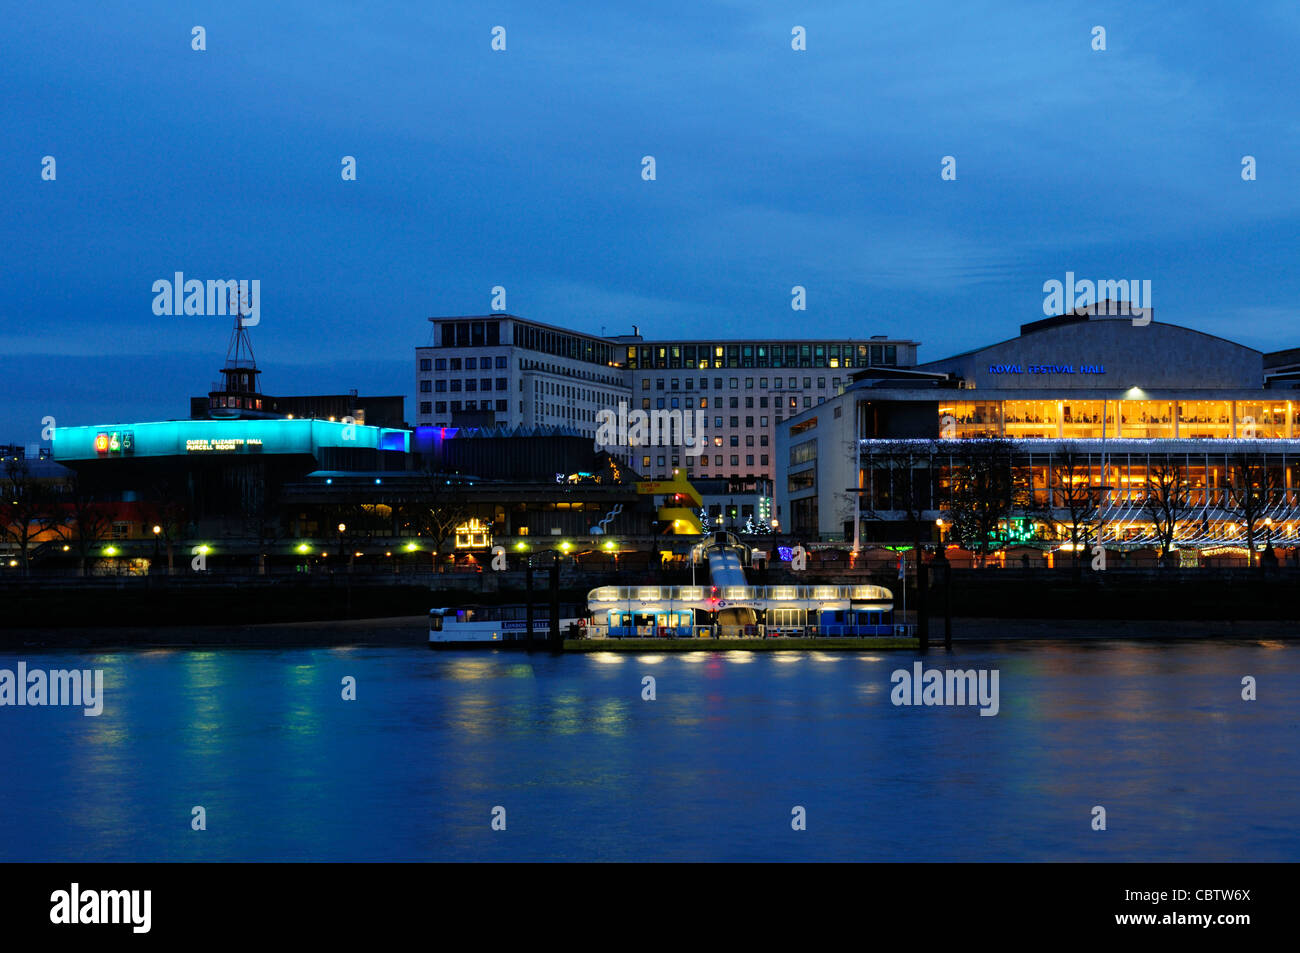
501 369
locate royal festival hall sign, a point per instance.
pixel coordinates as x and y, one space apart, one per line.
1047 368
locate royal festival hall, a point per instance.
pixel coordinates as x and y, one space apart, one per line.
1083 428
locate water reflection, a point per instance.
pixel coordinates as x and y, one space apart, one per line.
1157 732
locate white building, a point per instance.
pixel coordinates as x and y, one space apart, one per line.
541 374
500 369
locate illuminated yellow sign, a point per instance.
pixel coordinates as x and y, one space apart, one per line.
473 535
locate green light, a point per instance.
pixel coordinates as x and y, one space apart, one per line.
609 544
110 550
565 546
521 546
303 548
411 547
204 548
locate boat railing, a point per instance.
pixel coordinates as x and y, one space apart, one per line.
724 632
650 595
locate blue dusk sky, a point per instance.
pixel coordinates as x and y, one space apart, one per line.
522 168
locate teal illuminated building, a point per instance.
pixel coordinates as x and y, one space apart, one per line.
193 439
218 478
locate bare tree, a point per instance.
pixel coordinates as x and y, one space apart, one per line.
1253 488
442 505
263 522
983 495
30 517
1166 503
90 519
1073 493
902 485
164 508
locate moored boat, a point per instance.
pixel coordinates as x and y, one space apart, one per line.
503 626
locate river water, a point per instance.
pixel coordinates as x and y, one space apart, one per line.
713 768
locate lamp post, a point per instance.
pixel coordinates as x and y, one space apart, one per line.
857 481
157 531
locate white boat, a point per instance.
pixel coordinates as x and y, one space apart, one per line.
477 626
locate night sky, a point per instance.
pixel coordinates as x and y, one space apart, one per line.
523 168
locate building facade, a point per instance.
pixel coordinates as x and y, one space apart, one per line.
499 369
733 393
1133 432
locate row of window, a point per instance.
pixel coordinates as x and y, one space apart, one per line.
562 370
567 411
734 440
470 333
456 385
778 403
429 407
1149 419
703 461
470 363
733 383
563 345
704 356
556 389
239 403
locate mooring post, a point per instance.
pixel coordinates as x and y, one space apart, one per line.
922 612
947 605
556 643
528 611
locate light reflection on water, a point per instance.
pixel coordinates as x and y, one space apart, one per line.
286 769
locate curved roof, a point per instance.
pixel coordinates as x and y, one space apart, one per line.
1093 352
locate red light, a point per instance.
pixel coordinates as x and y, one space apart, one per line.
101 443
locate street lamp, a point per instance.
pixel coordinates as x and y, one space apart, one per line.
157 531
